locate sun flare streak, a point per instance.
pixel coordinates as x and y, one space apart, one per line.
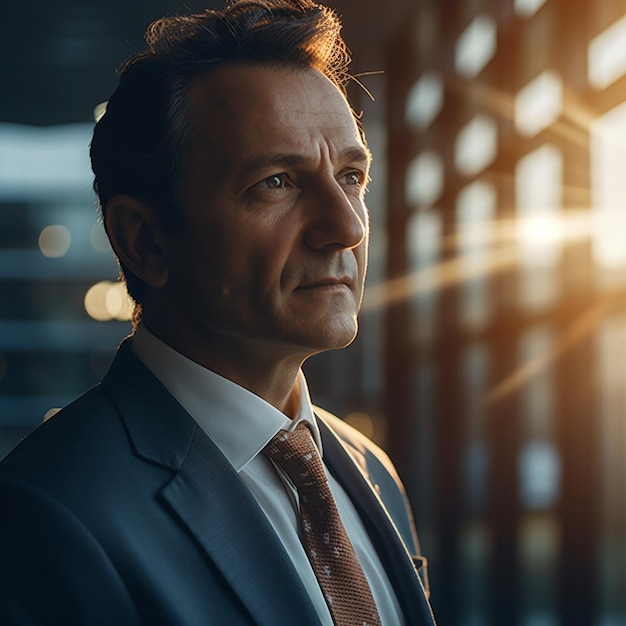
499 246
578 330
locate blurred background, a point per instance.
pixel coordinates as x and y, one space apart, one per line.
491 359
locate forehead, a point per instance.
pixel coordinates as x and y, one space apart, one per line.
237 111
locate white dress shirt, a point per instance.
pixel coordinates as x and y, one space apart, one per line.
241 423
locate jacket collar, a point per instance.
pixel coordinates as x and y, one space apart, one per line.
207 495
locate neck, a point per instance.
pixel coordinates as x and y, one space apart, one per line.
279 385
273 377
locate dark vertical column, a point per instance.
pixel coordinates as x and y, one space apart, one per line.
502 412
579 510
578 405
503 508
397 348
448 441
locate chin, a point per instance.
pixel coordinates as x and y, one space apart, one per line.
337 340
330 332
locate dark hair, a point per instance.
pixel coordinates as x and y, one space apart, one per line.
138 145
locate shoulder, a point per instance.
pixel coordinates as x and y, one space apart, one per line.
361 447
81 435
380 472
89 412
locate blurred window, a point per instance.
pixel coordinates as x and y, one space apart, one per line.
606 55
476 145
539 103
475 214
424 246
527 8
539 192
475 47
424 179
424 101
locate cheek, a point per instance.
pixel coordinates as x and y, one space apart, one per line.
273 260
197 266
250 260
362 254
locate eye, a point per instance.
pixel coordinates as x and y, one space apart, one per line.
353 178
273 188
275 181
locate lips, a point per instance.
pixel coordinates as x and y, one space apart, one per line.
345 281
342 273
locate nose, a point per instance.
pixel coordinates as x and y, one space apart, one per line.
337 220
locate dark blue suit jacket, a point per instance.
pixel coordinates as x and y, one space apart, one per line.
121 511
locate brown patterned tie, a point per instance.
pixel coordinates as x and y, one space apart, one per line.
323 535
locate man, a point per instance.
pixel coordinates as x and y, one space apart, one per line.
231 175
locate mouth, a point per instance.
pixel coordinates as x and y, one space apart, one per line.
327 283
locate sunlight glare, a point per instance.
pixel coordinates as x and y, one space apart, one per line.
608 188
427 273
538 191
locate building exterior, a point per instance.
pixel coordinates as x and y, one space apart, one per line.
506 315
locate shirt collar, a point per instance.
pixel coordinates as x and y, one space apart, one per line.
239 422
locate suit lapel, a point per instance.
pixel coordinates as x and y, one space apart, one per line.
398 562
212 501
207 496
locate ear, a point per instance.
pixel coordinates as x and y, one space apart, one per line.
135 234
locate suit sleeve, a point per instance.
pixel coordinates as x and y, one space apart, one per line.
52 570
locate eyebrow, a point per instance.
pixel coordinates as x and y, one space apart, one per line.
359 154
356 154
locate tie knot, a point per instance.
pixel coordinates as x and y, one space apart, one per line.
296 454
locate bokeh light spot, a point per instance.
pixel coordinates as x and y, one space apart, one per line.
54 241
98 238
107 301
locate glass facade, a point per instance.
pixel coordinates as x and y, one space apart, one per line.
516 287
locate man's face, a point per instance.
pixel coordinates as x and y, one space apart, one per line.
274 252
